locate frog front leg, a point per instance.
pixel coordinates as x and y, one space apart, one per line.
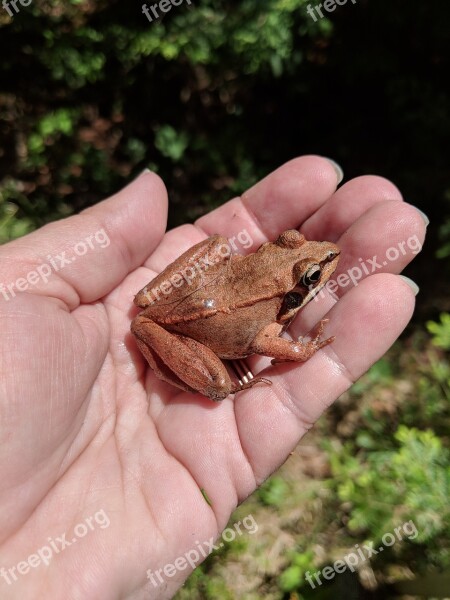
268 343
184 362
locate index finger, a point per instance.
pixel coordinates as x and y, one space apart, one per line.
282 200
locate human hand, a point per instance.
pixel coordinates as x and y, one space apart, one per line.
90 437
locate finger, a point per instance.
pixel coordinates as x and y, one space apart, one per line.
365 322
282 200
346 205
175 242
385 239
87 255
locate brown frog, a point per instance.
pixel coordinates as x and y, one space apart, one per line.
210 305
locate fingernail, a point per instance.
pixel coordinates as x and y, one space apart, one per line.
144 171
337 168
412 284
424 216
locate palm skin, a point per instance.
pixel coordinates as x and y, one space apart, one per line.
86 426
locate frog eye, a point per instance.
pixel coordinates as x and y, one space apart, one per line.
312 276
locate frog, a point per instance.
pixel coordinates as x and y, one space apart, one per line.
211 305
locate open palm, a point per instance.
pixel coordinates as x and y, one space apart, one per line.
104 464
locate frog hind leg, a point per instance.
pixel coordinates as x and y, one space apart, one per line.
182 361
161 370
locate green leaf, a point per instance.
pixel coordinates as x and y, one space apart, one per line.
170 142
441 331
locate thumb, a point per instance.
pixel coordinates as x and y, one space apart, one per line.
84 257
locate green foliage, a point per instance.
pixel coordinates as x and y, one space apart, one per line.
213 95
380 372
11 228
444 232
420 468
441 331
204 581
78 64
273 491
294 576
434 384
118 94
48 130
170 142
394 466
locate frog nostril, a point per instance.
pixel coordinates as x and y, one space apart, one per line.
332 255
